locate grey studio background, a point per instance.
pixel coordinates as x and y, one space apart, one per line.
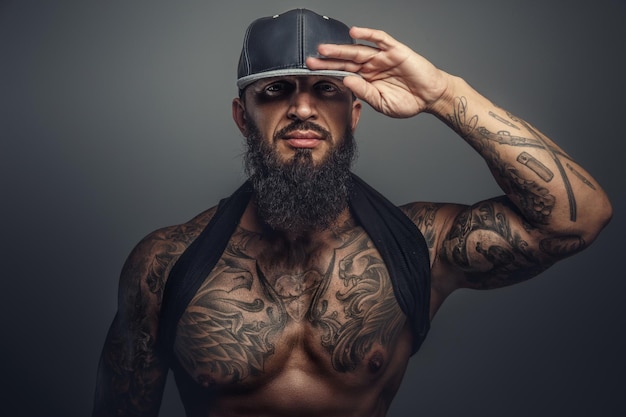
115 121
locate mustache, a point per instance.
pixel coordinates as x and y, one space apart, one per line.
302 125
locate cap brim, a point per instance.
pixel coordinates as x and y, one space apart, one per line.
243 82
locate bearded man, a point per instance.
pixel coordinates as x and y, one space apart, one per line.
306 292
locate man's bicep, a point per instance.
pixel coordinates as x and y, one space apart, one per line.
131 374
491 245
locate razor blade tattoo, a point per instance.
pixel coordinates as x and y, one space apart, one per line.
503 120
536 166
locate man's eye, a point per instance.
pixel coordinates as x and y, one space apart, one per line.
274 89
327 88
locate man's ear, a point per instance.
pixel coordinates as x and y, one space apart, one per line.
356 113
239 115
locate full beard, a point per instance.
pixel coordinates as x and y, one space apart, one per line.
298 195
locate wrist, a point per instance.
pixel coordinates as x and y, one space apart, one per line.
444 104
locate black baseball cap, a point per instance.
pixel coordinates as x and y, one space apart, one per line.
279 45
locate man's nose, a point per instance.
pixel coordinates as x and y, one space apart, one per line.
302 106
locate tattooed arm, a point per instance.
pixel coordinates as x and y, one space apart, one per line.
552 207
131 374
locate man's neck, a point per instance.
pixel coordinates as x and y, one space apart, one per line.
252 221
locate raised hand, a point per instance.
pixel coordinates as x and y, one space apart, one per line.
394 79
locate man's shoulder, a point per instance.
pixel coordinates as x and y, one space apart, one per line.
183 233
432 219
155 254
421 213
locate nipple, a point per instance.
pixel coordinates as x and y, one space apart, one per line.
206 380
375 362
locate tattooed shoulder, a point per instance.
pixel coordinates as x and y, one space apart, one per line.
153 257
423 215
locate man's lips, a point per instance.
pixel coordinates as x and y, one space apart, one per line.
303 139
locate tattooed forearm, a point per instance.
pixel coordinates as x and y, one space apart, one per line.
503 120
536 202
581 177
459 119
536 166
504 137
568 187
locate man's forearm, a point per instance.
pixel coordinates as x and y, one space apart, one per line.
551 190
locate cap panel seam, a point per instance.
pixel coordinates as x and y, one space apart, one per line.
280 36
246 49
301 38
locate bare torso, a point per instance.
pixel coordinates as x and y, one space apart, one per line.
296 327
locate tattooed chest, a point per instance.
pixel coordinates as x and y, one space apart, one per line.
254 313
